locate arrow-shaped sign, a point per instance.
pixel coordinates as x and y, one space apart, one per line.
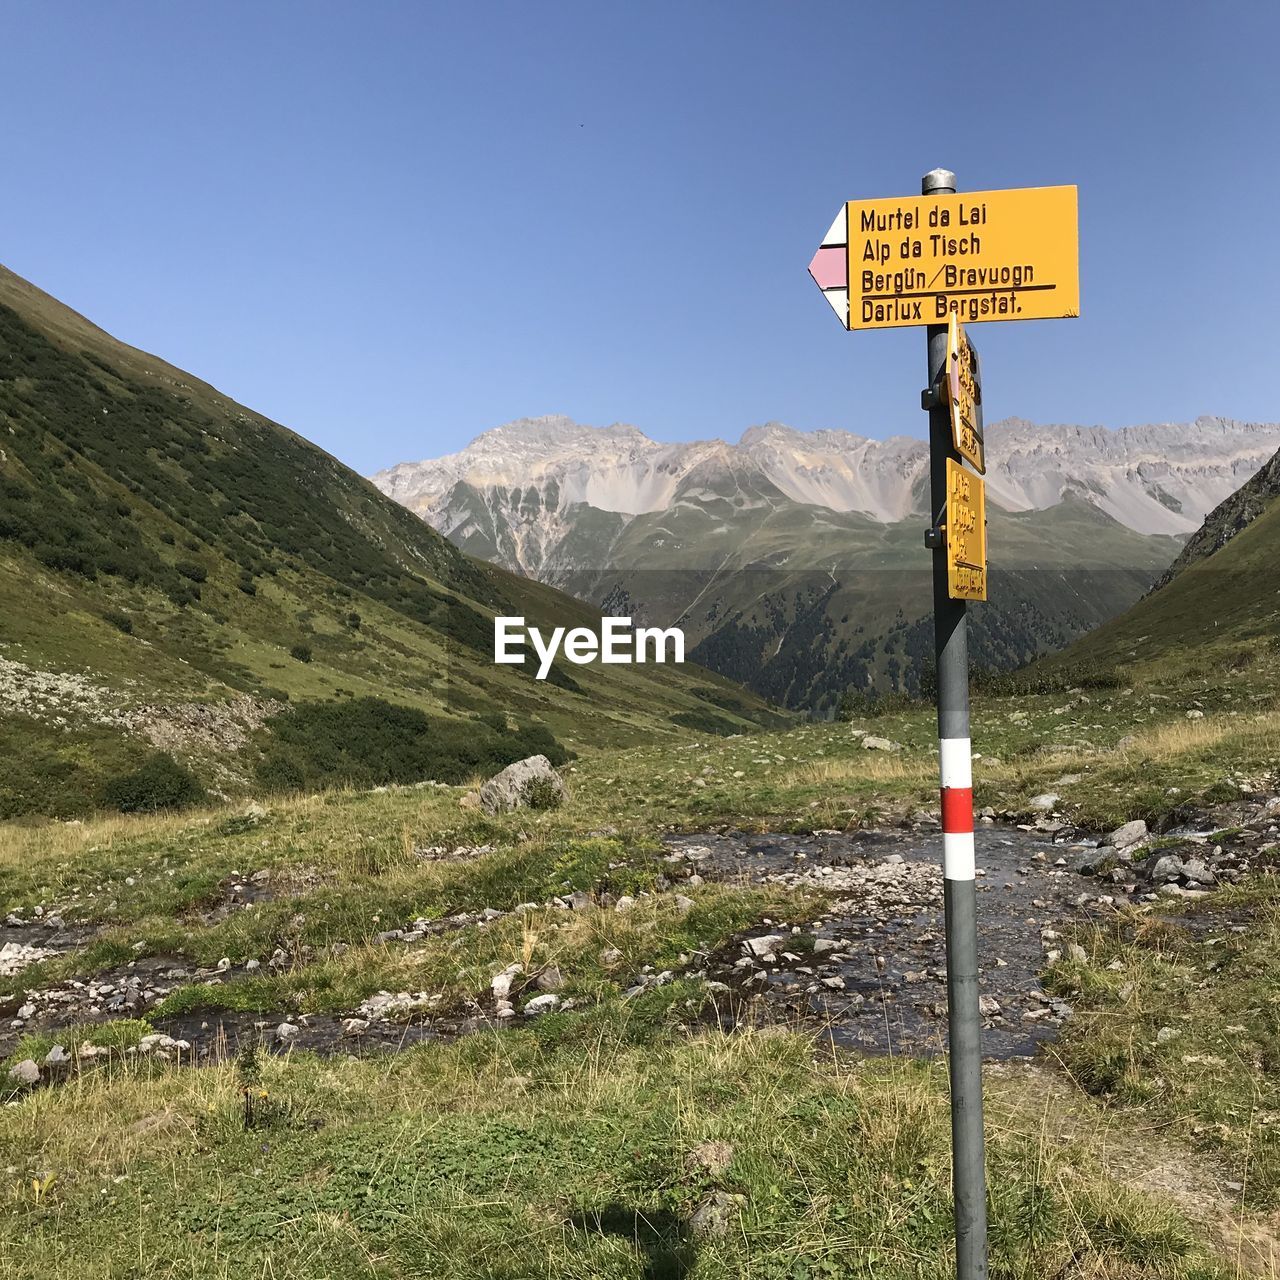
830 266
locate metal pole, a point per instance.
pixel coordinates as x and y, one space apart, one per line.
960 898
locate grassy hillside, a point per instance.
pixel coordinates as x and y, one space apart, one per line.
1219 612
174 568
802 604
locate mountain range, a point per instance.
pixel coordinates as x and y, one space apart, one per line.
795 560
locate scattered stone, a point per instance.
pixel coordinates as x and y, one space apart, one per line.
712 1157
1166 869
550 979
714 1216
1129 834
542 1004
765 945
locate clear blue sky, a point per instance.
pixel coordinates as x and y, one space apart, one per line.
392 226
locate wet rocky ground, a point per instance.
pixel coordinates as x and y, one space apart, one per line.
868 972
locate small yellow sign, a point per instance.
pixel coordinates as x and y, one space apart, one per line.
984 255
966 534
962 386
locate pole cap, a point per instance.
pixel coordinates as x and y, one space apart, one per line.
938 182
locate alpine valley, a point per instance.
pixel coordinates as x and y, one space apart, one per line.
795 561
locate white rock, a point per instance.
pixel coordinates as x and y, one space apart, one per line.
1129 834
542 1004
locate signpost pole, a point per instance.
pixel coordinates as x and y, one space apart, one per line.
952 655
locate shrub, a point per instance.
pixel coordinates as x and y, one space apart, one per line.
121 621
301 651
191 569
371 742
159 783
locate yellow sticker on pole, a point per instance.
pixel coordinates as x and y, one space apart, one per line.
984 255
966 533
962 387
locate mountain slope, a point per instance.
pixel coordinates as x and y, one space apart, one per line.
1218 610
1229 518
173 567
794 560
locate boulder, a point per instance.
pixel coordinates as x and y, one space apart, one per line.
872 743
1129 834
24 1073
528 784
1167 869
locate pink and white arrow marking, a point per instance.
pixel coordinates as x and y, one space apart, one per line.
830 266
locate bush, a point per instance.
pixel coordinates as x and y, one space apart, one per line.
371 742
159 783
191 569
301 651
121 621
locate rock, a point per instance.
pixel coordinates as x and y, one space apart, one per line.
354 1026
1166 869
709 1157
501 984
1165 1034
579 901
471 800
542 1004
1129 834
550 979
988 1006
57 1057
1195 715
872 743
610 956
625 903
764 945
27 1011
286 1032
1044 802
1195 871
683 904
714 1216
24 1073
528 784
1077 953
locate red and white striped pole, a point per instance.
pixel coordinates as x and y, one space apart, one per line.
969 1183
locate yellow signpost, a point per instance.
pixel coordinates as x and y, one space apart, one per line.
987 255
962 386
942 260
966 533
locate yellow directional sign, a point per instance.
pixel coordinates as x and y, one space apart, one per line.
985 255
966 534
962 387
